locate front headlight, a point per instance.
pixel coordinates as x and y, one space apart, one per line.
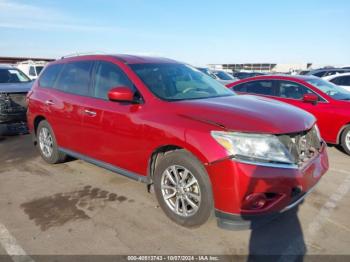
254 147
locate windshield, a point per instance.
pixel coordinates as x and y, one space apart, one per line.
334 91
205 71
174 82
38 69
223 75
12 75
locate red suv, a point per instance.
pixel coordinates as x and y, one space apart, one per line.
329 103
165 123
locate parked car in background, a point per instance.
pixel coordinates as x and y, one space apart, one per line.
342 80
223 77
304 72
169 125
329 103
219 75
327 72
31 68
14 86
243 75
206 71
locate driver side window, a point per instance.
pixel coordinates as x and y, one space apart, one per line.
107 76
287 89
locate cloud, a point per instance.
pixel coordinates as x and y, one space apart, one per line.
15 15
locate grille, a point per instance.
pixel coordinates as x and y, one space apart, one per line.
302 146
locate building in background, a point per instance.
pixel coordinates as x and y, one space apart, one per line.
263 67
15 60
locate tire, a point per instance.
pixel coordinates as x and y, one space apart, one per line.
53 156
199 193
345 140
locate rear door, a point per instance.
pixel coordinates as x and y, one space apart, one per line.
67 101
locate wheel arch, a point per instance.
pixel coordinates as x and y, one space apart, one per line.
341 132
36 122
157 154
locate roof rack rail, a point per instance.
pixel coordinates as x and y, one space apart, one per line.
82 54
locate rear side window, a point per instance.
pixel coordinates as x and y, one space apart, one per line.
49 75
75 78
256 87
108 76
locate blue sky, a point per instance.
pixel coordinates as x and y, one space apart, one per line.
195 31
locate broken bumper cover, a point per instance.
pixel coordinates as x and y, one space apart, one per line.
283 189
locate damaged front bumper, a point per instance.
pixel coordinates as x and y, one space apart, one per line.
14 128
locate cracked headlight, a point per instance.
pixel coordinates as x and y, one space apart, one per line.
254 147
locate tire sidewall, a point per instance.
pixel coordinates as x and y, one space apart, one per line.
185 159
55 153
343 140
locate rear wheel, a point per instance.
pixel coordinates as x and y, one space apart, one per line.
47 144
345 140
183 189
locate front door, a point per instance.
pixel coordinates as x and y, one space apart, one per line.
110 129
292 93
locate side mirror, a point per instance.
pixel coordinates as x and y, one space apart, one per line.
121 94
310 98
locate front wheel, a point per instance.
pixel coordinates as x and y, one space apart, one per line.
183 189
345 140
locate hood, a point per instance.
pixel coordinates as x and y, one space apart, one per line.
15 87
247 113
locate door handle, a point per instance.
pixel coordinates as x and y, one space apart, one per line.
89 112
49 102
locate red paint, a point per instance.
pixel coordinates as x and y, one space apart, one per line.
120 94
332 115
126 134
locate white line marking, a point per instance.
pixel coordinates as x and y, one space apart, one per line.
340 171
321 218
9 243
328 207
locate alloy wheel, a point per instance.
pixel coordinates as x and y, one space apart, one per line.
180 191
347 140
46 142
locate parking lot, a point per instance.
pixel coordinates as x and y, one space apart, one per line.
78 209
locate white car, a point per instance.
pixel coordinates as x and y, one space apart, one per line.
223 77
30 68
342 80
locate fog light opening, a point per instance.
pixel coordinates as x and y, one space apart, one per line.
255 201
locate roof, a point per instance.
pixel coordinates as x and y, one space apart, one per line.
127 59
283 76
328 70
336 75
134 59
275 77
